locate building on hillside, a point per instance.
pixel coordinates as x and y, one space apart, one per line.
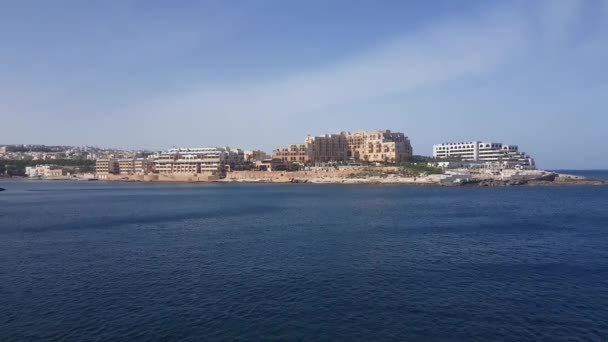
378 146
371 146
486 154
327 148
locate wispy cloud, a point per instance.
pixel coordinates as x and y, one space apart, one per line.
429 57
451 79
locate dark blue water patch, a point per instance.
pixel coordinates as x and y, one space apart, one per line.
113 261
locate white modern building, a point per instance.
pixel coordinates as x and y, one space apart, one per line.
487 154
198 160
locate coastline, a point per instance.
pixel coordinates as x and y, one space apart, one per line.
485 178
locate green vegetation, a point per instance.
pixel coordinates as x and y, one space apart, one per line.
17 167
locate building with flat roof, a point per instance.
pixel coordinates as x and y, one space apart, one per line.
255 155
197 160
293 153
491 154
370 146
105 166
378 146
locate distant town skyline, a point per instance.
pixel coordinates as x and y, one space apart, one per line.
261 74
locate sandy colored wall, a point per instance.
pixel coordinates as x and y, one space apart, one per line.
282 176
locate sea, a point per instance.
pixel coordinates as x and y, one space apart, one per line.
96 261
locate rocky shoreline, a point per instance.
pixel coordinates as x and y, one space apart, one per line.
386 176
450 178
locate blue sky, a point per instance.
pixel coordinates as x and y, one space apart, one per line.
262 73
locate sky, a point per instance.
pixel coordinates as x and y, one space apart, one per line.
258 74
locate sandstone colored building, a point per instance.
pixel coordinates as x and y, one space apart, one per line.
106 166
369 146
378 146
124 166
293 153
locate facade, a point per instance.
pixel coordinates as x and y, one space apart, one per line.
53 173
491 154
371 146
107 166
46 171
378 146
143 166
235 158
132 166
126 166
327 148
271 165
255 155
293 153
205 160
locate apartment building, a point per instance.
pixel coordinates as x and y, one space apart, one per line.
106 166
493 153
205 160
371 146
132 166
143 166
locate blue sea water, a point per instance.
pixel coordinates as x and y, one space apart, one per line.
83 261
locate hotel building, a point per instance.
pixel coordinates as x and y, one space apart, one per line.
132 166
378 146
198 160
327 148
293 153
371 146
490 153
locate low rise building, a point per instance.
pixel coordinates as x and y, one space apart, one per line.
484 154
49 173
46 171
